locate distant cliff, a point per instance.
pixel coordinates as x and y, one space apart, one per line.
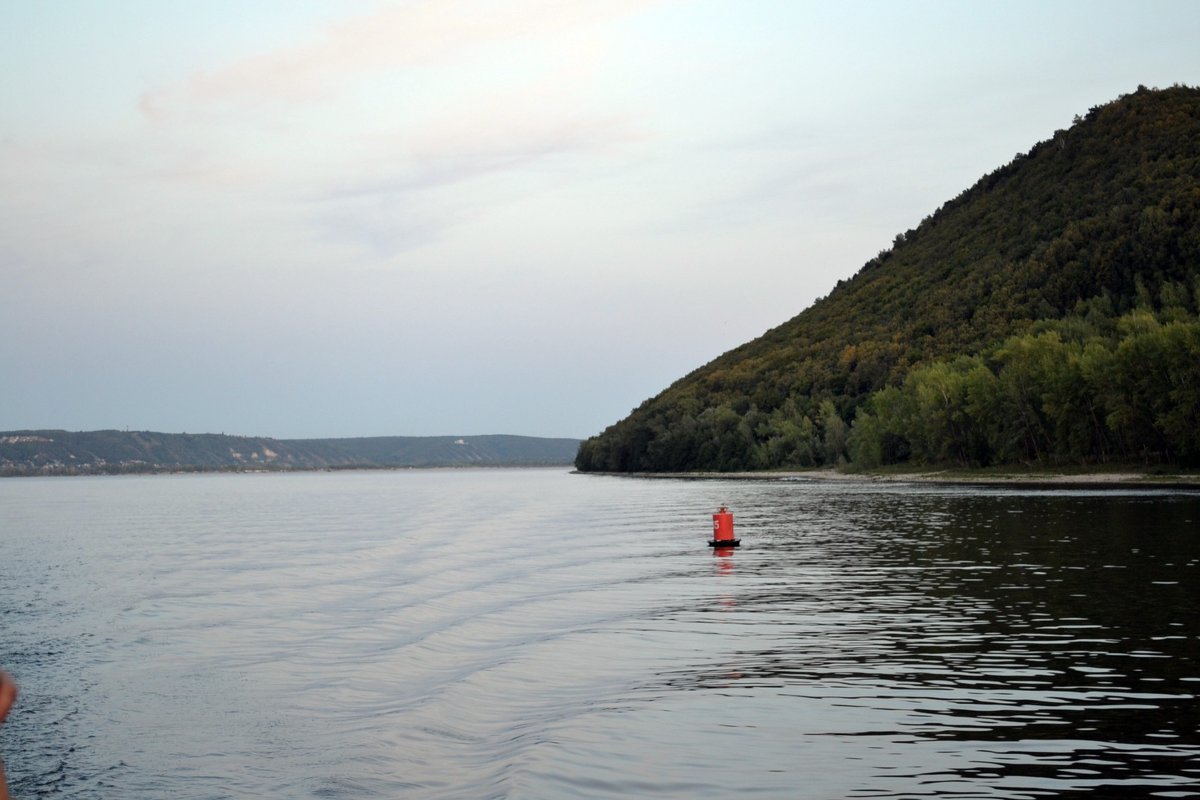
53 452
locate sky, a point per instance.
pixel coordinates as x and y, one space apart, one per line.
327 218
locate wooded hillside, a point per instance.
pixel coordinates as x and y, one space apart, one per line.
1047 314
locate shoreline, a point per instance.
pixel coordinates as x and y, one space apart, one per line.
1025 480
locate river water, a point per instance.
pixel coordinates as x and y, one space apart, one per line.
537 634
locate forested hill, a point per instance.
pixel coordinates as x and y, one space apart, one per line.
53 452
1046 314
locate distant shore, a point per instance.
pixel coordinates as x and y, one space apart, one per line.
1125 479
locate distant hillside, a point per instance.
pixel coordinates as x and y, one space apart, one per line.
53 452
1090 241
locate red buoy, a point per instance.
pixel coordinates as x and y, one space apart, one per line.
723 529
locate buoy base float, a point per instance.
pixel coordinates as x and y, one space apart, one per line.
723 529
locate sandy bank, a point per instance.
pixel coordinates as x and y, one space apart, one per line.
1102 480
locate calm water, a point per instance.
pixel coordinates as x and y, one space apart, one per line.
535 634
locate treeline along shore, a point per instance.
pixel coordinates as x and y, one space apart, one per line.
56 452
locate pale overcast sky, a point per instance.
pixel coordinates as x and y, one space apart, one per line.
309 218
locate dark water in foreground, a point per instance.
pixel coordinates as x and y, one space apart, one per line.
533 634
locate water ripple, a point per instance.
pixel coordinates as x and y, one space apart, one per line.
533 634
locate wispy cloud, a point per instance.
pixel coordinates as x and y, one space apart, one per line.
390 205
438 163
366 124
394 36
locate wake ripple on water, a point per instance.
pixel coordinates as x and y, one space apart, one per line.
534 634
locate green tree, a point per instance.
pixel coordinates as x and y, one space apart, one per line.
834 433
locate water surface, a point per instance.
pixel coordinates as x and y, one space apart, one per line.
536 634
